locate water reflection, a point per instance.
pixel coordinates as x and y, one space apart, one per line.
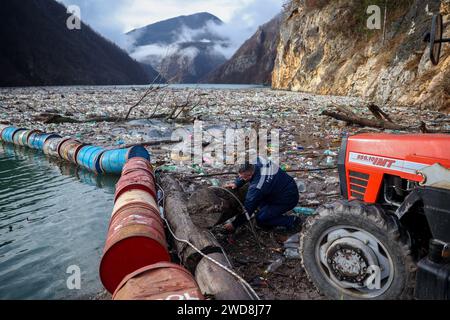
52 215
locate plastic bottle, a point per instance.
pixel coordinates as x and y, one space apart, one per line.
304 211
301 186
274 266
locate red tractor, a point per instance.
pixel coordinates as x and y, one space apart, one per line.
390 237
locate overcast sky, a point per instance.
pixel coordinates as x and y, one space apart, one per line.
112 18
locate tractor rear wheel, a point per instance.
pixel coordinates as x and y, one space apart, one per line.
351 250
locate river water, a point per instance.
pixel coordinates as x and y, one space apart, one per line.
52 216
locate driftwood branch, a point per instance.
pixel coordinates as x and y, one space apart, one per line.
373 123
378 113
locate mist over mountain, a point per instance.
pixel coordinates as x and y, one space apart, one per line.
38 49
184 49
254 61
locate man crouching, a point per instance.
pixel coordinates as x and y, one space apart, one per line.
271 190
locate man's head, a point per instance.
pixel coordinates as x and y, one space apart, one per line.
246 171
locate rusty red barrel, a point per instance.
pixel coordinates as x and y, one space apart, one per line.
137 180
69 149
161 281
137 164
136 239
134 196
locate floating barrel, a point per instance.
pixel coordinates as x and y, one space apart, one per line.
134 197
37 140
113 161
137 164
135 210
161 281
68 149
140 180
51 147
135 239
9 132
89 157
21 138
2 127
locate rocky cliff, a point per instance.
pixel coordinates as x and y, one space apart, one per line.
38 49
325 47
253 62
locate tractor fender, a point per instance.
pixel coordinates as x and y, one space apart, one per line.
410 200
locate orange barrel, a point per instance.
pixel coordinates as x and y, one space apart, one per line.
161 281
137 164
21 138
69 149
137 180
134 196
135 239
51 147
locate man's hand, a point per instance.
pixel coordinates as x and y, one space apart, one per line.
231 186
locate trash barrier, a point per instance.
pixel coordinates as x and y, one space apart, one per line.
112 161
22 137
9 132
136 236
37 140
136 264
51 147
69 149
89 157
162 281
95 159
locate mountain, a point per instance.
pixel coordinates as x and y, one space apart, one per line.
325 47
254 61
38 49
184 49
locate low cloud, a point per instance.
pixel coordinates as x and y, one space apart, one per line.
113 19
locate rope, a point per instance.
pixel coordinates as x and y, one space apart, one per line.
247 215
249 290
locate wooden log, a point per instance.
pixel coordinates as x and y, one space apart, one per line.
373 123
212 279
210 207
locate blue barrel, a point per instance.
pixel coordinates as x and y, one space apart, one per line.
37 140
89 157
9 132
112 161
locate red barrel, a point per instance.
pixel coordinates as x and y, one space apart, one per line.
134 196
136 180
137 164
136 239
162 281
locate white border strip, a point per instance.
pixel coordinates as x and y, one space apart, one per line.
386 163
